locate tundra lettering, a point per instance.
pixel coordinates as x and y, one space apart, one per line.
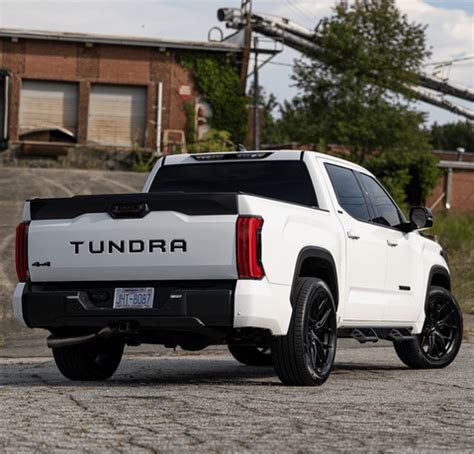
133 246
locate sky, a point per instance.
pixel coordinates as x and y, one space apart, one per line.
450 32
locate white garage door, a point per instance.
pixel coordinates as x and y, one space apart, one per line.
48 105
117 115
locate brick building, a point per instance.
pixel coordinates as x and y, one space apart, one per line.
455 191
92 89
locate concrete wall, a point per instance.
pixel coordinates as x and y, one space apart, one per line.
101 63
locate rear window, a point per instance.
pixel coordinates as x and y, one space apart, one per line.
288 181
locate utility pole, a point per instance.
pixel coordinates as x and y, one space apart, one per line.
256 96
246 10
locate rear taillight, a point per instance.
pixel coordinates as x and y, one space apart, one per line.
21 252
249 247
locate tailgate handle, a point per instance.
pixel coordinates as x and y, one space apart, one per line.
128 210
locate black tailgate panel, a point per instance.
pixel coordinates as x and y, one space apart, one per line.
136 205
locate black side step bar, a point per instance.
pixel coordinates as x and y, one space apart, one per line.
366 334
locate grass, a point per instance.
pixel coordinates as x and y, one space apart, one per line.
456 236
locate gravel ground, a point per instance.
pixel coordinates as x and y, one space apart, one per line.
159 401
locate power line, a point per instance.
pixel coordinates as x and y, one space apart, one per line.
307 17
303 10
280 64
449 62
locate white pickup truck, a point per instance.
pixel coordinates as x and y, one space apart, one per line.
276 254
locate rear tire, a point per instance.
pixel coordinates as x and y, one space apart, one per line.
95 361
251 356
441 337
305 356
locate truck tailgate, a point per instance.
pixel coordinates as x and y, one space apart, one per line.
172 236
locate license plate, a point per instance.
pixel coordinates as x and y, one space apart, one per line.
134 298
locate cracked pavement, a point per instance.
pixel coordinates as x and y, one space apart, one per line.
160 401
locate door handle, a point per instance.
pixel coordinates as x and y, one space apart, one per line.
353 236
392 243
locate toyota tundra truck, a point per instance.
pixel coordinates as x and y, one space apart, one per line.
275 254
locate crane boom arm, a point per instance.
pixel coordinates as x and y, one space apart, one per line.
305 40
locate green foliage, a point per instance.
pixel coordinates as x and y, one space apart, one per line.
371 44
454 230
214 140
293 125
350 90
190 132
451 136
217 79
456 234
142 164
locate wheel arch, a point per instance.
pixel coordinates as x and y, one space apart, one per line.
316 262
440 277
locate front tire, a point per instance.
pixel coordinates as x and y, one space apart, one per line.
95 361
251 356
305 356
441 337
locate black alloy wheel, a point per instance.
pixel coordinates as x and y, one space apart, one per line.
440 340
440 331
320 331
305 356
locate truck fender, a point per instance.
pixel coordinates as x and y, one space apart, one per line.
439 276
321 264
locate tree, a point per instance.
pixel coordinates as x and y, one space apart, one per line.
353 93
451 136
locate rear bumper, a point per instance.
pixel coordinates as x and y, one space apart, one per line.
193 306
177 306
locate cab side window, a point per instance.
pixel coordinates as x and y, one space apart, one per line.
348 191
385 211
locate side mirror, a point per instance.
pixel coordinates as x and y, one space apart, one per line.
421 218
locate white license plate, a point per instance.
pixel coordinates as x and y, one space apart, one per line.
134 298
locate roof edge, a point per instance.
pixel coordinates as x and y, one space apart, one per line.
119 40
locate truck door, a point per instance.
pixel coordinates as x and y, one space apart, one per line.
366 249
404 262
4 108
